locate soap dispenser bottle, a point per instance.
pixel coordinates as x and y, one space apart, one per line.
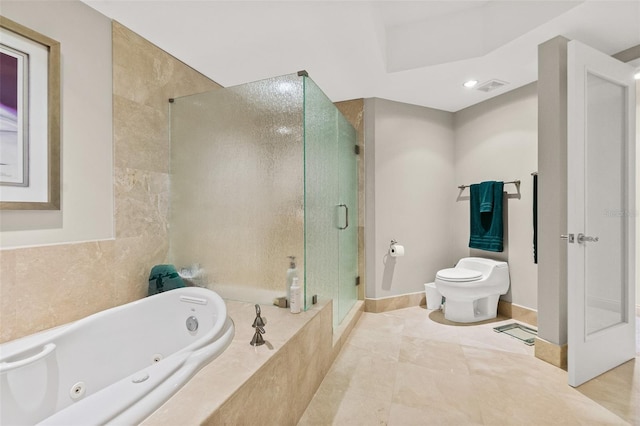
292 273
296 297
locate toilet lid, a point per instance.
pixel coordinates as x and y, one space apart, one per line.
458 274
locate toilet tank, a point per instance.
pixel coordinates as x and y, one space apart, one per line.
485 266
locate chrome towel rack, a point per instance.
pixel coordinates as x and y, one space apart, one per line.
515 182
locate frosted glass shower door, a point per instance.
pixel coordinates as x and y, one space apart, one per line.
348 231
331 216
321 197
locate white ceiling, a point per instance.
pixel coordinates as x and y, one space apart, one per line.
417 52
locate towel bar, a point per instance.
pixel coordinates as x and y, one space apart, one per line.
515 182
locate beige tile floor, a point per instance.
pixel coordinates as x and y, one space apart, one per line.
403 368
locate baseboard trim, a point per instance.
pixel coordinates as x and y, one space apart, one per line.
517 312
550 352
392 303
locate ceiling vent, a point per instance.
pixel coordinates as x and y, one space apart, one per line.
491 85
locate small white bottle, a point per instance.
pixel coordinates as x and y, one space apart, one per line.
295 304
291 272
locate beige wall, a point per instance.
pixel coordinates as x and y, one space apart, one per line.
86 133
497 140
415 159
42 287
410 193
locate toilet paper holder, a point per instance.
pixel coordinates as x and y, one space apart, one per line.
395 249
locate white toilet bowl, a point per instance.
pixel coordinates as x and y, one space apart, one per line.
472 289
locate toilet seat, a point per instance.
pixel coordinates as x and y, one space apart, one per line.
458 275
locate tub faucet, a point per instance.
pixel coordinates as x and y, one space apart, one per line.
258 324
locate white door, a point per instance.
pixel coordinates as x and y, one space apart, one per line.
601 206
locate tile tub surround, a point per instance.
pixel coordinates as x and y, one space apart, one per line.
144 78
273 382
401 368
39 286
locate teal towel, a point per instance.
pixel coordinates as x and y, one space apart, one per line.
164 278
486 196
486 228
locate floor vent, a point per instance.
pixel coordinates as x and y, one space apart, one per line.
491 85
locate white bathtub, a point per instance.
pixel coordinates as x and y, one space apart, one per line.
116 366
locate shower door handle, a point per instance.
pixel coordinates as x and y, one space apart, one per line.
346 217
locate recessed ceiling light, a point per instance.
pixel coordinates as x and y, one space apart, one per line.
470 83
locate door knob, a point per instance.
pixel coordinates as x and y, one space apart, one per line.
584 238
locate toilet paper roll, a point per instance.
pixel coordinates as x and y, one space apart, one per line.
396 250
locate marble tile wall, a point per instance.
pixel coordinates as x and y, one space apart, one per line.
43 287
144 79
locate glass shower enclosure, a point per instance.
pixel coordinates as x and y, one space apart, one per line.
260 172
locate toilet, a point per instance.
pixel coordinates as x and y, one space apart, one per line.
472 289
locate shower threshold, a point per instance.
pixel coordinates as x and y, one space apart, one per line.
518 331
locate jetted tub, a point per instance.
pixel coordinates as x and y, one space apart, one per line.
116 366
